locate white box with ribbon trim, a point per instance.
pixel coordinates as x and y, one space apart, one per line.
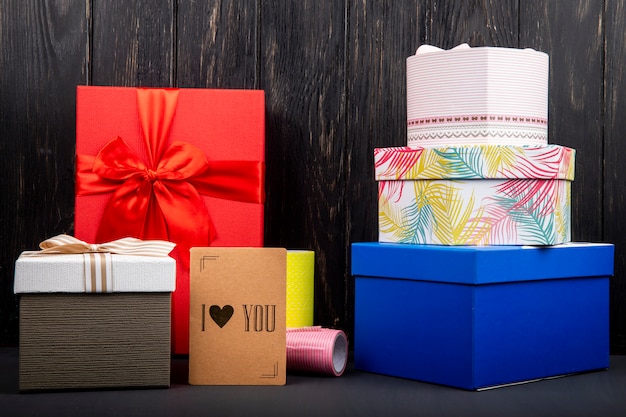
66 274
95 316
484 95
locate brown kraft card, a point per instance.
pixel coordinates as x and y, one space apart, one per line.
237 317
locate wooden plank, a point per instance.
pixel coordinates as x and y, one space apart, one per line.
303 75
381 36
218 44
478 23
42 58
615 166
133 43
568 33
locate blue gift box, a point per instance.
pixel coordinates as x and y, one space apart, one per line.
480 317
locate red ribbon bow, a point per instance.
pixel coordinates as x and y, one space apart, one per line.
161 198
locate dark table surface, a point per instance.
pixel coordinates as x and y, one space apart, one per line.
355 393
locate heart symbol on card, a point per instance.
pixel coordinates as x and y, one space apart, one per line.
221 315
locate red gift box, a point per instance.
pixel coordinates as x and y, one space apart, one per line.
184 165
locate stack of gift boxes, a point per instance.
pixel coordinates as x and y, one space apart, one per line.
168 254
475 282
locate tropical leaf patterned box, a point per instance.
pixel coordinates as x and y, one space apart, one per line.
483 95
475 195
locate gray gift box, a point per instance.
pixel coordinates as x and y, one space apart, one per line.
71 338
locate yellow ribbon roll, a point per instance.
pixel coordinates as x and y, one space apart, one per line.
300 284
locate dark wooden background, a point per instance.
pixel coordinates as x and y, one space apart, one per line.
334 77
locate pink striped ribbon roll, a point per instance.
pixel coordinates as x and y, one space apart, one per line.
317 349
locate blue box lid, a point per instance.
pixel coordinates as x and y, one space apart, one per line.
481 264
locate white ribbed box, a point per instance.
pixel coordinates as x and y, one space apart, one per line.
483 95
66 273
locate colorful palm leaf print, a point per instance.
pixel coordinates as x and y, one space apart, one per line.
475 195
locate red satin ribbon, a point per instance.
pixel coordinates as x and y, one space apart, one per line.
161 198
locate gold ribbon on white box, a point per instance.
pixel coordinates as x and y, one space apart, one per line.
97 257
98 276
